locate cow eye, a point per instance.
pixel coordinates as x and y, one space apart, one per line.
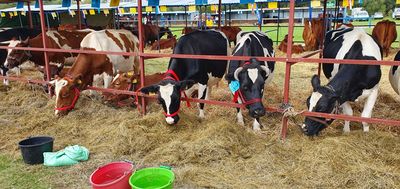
65 95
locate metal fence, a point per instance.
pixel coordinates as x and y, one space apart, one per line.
289 61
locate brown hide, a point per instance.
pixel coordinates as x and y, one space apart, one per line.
231 33
385 33
164 44
296 49
129 81
310 38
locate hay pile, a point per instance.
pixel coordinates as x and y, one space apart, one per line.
211 153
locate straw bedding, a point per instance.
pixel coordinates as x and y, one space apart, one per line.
215 152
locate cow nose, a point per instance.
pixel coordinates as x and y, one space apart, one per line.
259 112
170 120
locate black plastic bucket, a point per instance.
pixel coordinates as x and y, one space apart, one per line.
32 148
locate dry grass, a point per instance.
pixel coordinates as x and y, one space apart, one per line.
210 153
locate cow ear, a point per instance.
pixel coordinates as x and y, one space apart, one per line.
186 84
150 89
77 81
26 41
315 82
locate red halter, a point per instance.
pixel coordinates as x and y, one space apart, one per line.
175 78
238 94
70 107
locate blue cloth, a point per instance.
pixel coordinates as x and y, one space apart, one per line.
20 5
66 3
37 4
201 2
234 86
246 1
96 3
154 2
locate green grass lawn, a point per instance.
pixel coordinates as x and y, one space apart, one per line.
16 174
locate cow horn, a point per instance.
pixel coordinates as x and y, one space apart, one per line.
266 69
237 71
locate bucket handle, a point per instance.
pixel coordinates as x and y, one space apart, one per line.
166 167
133 167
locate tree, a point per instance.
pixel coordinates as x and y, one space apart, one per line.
384 6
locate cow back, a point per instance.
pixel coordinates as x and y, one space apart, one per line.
207 42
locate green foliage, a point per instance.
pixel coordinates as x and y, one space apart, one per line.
384 6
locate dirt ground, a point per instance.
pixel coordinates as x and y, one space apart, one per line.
209 153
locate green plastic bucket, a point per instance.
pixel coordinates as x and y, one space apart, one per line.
152 178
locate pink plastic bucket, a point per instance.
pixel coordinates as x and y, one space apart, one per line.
111 176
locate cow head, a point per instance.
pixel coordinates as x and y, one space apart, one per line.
17 57
67 94
122 81
169 96
323 99
252 78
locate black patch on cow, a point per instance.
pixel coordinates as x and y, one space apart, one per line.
396 58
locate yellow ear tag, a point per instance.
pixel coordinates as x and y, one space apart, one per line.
134 81
152 94
79 82
129 74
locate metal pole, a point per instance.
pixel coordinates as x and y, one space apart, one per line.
322 37
219 14
261 17
288 67
225 15
141 50
279 17
79 14
186 19
30 15
44 37
230 11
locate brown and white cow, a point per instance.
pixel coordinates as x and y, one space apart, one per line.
55 39
131 82
164 43
385 33
89 66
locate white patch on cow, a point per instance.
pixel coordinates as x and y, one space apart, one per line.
334 71
165 93
59 84
202 89
369 105
347 110
395 79
256 125
52 35
201 114
239 117
369 46
107 80
12 43
99 41
70 60
115 78
253 74
315 96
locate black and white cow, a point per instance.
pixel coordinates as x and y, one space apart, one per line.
6 37
252 75
350 83
183 73
394 75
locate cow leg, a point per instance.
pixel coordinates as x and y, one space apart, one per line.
4 73
202 92
239 117
368 106
107 80
256 124
347 110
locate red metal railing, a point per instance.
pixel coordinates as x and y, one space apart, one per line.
289 61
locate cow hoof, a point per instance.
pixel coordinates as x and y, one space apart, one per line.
366 129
